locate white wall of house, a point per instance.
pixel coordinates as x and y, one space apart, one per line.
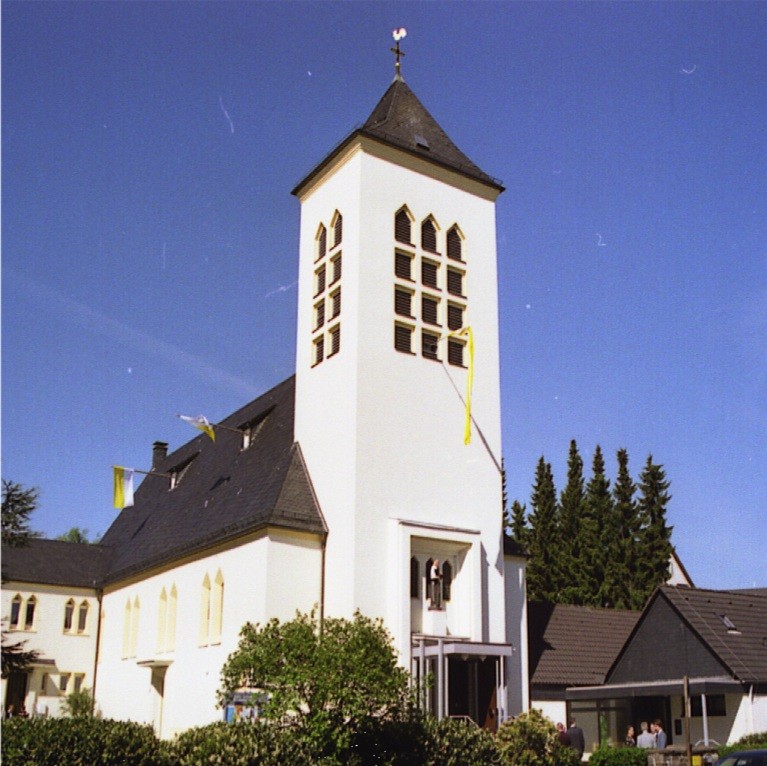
270 575
73 650
751 716
517 667
555 710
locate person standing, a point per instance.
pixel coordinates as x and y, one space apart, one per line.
562 736
630 737
577 740
645 738
660 735
435 581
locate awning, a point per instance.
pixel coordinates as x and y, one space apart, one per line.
664 688
453 647
154 663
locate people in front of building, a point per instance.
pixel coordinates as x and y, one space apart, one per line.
436 585
645 739
630 737
660 735
577 740
562 736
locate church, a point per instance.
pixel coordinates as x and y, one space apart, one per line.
370 480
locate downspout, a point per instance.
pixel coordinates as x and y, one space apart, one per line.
99 598
322 582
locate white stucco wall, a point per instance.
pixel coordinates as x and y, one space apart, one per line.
516 630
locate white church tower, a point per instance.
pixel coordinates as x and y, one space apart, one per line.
397 255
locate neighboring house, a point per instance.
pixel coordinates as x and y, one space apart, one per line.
343 487
572 646
714 640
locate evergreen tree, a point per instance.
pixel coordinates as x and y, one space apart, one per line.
518 528
570 511
596 527
543 537
628 533
654 548
18 504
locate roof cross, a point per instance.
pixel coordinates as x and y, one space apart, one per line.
398 34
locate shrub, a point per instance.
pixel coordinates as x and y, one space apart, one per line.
619 756
80 742
756 741
458 743
78 704
531 740
242 744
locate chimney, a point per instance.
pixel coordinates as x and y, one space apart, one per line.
159 453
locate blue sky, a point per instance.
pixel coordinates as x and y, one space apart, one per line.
150 239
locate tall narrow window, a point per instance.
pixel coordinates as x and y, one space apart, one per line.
69 613
319 315
429 236
322 243
338 229
429 273
447 580
319 350
79 678
126 629
82 617
15 612
402 338
170 630
454 316
415 578
429 345
217 608
455 352
403 266
162 620
134 627
336 264
454 282
402 302
320 280
402 227
205 611
335 340
429 310
64 682
29 616
335 303
454 245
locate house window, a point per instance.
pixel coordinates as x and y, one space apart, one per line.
429 236
319 315
455 352
126 629
319 350
447 580
162 620
82 617
415 578
715 705
205 611
454 244
335 340
170 627
15 612
429 310
335 303
402 338
454 282
402 302
134 625
322 243
69 612
338 229
454 316
64 682
319 278
429 345
79 678
402 226
336 266
217 608
429 273
403 266
29 614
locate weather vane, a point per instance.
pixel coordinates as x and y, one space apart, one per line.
398 34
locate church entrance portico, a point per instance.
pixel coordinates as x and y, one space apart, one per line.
466 679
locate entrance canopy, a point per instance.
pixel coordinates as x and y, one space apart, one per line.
672 686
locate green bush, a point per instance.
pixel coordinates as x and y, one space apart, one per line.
78 704
80 742
242 744
531 740
618 756
756 741
459 743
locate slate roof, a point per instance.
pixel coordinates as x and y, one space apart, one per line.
225 492
401 120
574 645
744 649
54 562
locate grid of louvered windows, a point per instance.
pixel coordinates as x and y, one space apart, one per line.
429 345
403 302
454 282
429 272
455 352
402 227
403 266
429 310
454 316
326 341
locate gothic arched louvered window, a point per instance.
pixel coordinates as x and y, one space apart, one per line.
69 611
454 245
402 227
29 617
322 243
415 578
15 611
338 229
447 580
429 236
82 617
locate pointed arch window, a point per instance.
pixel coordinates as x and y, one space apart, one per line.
205 611
338 229
126 629
454 244
217 608
15 612
402 226
429 236
82 617
29 613
162 620
170 626
69 614
322 242
134 626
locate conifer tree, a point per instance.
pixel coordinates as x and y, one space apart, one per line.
518 524
570 512
654 548
596 526
543 537
624 554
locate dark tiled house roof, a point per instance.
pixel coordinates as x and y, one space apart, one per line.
400 119
574 645
224 492
732 623
513 548
54 562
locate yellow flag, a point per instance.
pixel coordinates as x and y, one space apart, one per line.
123 486
202 423
467 332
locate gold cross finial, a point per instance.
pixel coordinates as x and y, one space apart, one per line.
398 34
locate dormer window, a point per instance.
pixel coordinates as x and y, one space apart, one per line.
251 430
728 623
178 473
402 226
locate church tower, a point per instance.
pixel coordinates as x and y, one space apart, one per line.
397 329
